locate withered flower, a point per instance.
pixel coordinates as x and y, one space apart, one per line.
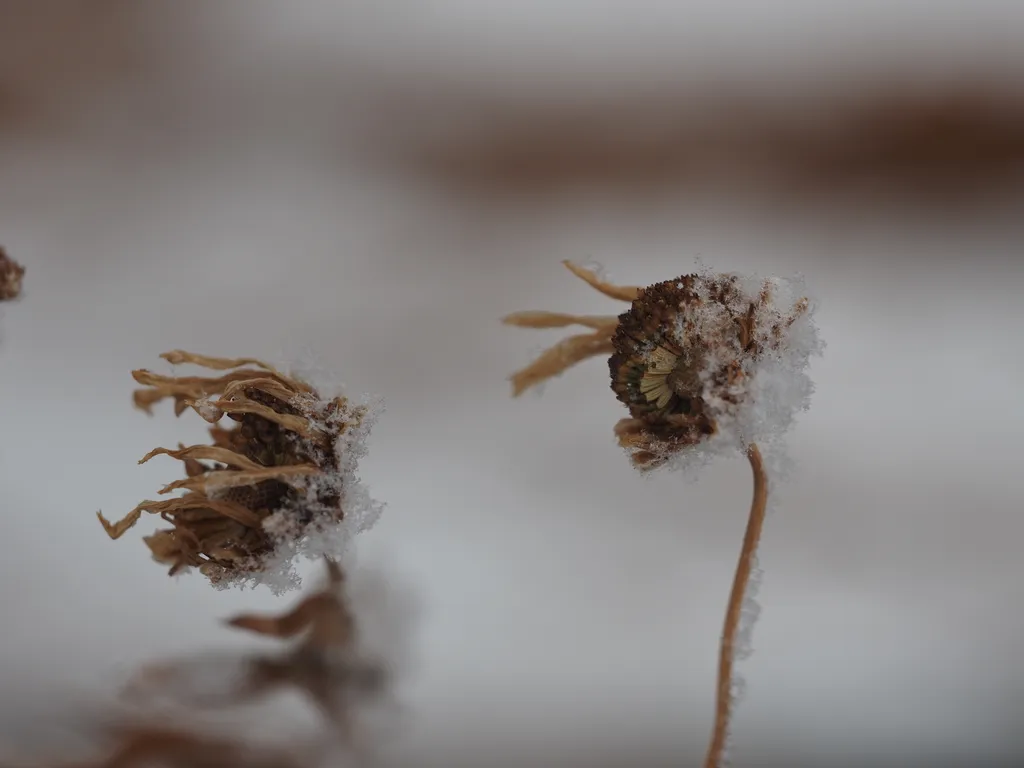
698 357
326 662
11 274
707 364
281 480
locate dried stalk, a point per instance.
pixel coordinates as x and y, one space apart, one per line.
727 651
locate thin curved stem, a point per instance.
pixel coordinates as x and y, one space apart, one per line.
727 651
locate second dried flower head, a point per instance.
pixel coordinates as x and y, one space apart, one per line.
280 482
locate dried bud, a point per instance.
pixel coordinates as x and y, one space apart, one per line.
281 478
11 274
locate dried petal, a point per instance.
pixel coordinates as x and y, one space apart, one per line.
213 453
621 292
541 319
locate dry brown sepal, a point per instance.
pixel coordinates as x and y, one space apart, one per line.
280 456
324 662
11 274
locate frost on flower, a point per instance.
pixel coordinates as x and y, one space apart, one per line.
706 363
279 482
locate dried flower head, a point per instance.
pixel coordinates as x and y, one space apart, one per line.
11 274
279 481
697 357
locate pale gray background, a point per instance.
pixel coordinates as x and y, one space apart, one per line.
189 179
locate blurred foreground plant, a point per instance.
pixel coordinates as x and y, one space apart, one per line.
137 745
11 274
708 365
282 479
327 662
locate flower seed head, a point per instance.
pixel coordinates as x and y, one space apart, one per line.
701 358
687 356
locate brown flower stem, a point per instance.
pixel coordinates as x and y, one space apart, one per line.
727 651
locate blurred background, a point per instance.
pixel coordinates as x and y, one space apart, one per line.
366 188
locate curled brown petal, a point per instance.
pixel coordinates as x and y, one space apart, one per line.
209 452
622 292
542 319
221 479
559 358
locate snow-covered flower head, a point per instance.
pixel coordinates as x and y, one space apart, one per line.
706 357
282 481
705 363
